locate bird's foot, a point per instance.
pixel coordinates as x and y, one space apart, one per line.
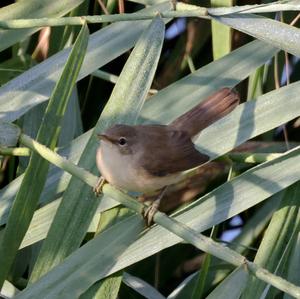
150 211
99 185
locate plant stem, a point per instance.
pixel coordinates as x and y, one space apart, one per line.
43 22
253 158
16 151
59 161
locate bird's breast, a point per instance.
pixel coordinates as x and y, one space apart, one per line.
124 171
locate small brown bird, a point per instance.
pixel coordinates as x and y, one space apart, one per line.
147 158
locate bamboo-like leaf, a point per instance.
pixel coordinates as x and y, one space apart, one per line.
162 108
110 286
8 290
74 285
141 287
253 186
284 225
258 8
185 288
74 214
210 138
35 85
71 126
107 288
250 119
250 231
31 9
182 95
275 33
294 265
286 108
221 34
256 81
36 172
231 287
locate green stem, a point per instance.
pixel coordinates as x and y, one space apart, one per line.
200 12
253 158
106 76
17 151
113 78
180 229
58 160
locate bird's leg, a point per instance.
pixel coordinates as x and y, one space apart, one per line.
150 211
99 185
174 3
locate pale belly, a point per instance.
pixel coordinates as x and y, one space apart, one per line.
121 171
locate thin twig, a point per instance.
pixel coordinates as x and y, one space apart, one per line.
17 151
121 6
43 22
295 20
103 7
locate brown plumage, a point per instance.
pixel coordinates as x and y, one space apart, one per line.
147 158
207 112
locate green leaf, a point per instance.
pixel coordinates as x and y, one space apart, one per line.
162 108
8 290
182 95
285 109
258 8
275 33
82 275
221 34
256 81
74 214
141 287
249 120
31 9
283 227
36 172
231 287
35 85
252 229
106 289
253 186
294 265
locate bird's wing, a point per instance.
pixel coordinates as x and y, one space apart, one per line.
173 153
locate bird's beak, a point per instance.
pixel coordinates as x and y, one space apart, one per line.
104 137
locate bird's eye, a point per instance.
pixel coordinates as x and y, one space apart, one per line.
122 141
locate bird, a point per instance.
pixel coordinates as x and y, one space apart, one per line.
148 158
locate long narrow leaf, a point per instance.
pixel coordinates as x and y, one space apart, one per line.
214 208
221 34
182 95
162 108
31 9
35 85
257 8
74 214
282 228
36 172
275 33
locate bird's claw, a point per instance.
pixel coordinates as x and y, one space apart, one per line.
99 185
149 213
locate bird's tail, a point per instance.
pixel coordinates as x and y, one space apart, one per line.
207 112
